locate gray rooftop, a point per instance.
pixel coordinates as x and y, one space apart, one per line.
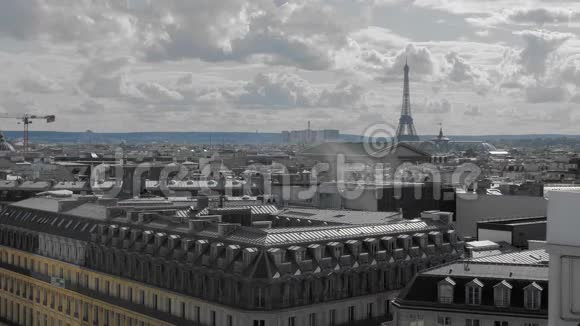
341 216
526 257
491 270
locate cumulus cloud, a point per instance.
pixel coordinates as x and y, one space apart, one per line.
441 106
111 78
459 70
278 90
344 94
286 90
420 58
304 34
540 45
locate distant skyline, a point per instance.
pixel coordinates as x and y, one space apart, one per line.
480 67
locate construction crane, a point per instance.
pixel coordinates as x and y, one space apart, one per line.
26 119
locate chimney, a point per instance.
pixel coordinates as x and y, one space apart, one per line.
147 237
248 256
202 202
297 253
276 254
316 250
135 234
336 249
197 225
160 239
187 244
215 249
200 246
354 247
231 252
226 228
174 241
262 224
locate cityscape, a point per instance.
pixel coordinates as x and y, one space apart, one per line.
289 163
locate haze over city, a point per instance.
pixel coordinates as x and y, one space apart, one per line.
478 67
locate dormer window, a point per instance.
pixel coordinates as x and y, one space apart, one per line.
533 296
473 292
502 294
446 288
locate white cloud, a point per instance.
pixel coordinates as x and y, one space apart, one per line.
287 90
540 45
459 71
441 106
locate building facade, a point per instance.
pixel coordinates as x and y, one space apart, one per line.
82 260
502 290
564 248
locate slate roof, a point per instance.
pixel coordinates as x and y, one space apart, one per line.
515 270
526 257
340 216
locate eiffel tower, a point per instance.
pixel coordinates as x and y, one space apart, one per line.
406 129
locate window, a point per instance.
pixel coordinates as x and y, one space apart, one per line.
501 294
533 296
472 322
259 297
351 313
473 292
446 288
443 321
531 324
230 320
259 323
332 317
213 318
292 321
154 301
500 323
312 319
416 320
370 308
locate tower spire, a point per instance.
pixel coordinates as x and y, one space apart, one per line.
406 129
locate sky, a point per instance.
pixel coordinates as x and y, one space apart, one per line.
477 66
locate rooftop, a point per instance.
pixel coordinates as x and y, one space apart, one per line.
491 270
332 216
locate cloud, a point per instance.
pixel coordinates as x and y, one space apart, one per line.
459 70
287 90
303 34
343 95
472 110
36 82
525 16
419 59
541 94
441 106
540 45
278 90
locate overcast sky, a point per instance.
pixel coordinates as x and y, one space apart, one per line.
477 66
